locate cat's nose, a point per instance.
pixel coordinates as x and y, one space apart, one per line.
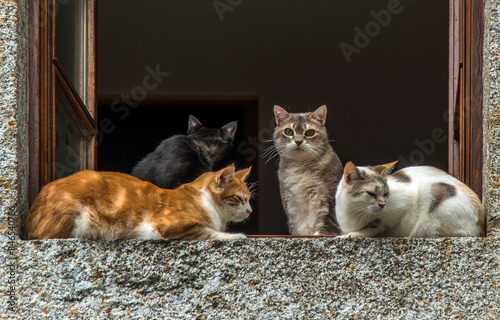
382 205
249 211
298 142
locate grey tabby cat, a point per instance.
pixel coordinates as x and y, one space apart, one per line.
309 172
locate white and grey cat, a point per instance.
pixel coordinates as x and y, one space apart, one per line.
309 172
412 202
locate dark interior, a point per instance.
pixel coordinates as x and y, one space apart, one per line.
387 103
139 134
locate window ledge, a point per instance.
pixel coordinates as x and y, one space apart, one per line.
263 277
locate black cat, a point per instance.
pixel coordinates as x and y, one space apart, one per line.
183 158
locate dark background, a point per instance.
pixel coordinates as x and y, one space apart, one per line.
140 133
284 52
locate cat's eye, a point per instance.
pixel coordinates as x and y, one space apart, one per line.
386 194
239 199
289 132
310 133
371 194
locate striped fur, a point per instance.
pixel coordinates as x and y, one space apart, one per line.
309 172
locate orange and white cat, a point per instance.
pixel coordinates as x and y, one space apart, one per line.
111 205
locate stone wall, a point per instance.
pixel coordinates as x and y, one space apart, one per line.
260 279
13 111
491 74
247 279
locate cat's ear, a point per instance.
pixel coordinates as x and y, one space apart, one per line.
224 176
351 173
230 129
243 174
193 124
319 115
280 114
385 169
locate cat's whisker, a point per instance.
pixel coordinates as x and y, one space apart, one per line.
252 184
270 154
315 151
277 159
316 147
270 148
361 214
268 151
314 154
274 155
252 188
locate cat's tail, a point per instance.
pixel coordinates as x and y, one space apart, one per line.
51 216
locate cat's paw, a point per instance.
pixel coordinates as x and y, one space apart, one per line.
351 235
228 236
235 236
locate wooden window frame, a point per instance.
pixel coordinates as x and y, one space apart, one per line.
465 102
47 75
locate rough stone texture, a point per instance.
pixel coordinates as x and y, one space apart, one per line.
491 129
259 278
13 111
244 279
